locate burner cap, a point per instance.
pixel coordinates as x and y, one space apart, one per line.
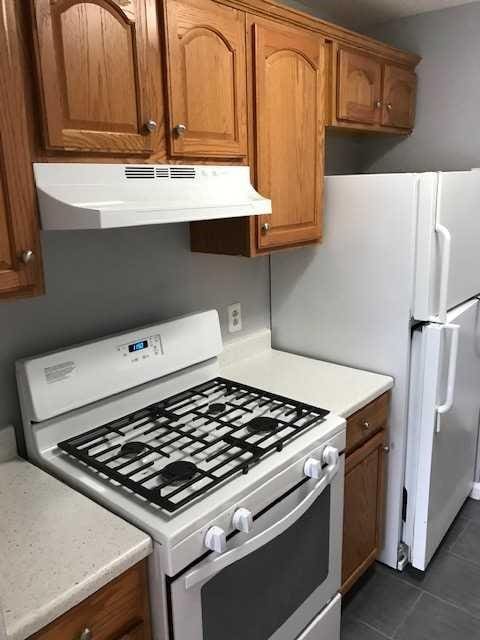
178 472
133 448
217 407
263 424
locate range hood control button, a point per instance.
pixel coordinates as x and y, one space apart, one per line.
242 520
216 540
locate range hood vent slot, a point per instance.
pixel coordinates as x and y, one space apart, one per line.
106 196
139 172
182 172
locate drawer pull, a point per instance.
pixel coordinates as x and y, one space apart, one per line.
386 448
366 425
86 634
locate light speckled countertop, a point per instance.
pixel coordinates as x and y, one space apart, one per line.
57 547
341 390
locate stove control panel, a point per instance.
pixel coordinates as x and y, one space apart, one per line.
140 350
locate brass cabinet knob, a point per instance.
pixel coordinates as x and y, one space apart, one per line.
378 103
180 129
389 106
27 256
86 634
151 126
366 425
265 227
386 448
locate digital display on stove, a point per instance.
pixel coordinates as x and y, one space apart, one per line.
138 346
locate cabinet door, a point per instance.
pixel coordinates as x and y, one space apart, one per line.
399 91
206 79
93 59
289 111
359 87
363 509
118 611
20 261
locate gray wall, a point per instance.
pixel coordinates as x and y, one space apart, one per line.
99 282
446 135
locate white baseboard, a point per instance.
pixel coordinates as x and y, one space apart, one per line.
475 493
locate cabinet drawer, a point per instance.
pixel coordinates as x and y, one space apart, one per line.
118 611
366 422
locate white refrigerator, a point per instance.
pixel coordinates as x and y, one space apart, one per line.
393 289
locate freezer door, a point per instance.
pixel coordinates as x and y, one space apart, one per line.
443 427
448 260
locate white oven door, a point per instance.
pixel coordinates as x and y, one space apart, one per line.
271 583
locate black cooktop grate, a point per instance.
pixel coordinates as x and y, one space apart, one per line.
206 426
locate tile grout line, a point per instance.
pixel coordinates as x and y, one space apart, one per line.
408 612
371 627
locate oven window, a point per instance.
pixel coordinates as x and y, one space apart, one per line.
253 597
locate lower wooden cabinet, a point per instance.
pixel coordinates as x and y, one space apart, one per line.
118 611
364 495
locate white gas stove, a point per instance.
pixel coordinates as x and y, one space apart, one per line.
229 480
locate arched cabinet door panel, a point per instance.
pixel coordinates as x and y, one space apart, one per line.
359 89
289 107
20 259
399 88
206 79
93 58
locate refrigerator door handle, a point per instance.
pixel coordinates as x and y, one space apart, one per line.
444 271
452 372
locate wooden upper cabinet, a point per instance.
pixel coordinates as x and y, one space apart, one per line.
289 99
399 91
93 58
359 87
20 260
206 79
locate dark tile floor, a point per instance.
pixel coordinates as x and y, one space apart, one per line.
441 604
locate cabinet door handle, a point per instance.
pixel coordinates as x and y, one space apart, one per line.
27 256
365 425
389 106
378 103
180 129
151 126
86 634
386 448
265 227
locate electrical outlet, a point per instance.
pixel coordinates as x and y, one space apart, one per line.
234 312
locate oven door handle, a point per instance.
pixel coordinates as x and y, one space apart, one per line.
216 563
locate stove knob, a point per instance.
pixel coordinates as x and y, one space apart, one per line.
330 455
242 520
215 539
313 468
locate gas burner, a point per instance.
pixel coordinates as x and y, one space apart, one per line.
217 407
178 472
263 424
204 450
133 448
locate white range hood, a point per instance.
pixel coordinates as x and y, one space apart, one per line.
104 196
